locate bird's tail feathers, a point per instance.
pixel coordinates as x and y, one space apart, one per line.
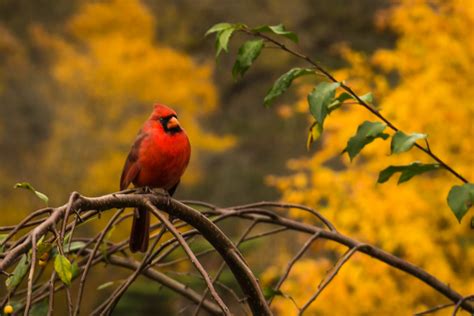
140 233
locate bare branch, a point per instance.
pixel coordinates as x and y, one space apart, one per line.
222 266
434 309
264 212
91 256
331 276
191 255
460 303
292 263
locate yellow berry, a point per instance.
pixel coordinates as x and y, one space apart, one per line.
8 309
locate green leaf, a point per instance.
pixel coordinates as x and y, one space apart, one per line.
218 27
248 52
367 98
402 142
269 292
407 171
313 134
222 40
39 309
105 285
18 274
63 268
74 270
284 82
460 199
277 29
319 100
75 245
366 133
27 186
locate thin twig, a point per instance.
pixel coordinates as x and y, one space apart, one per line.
31 274
223 265
292 263
331 276
460 302
191 255
434 309
290 206
109 304
51 294
24 223
91 256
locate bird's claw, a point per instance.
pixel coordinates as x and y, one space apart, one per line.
144 190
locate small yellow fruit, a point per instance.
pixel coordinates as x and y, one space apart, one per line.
8 309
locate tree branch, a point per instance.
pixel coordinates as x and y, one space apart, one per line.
262 212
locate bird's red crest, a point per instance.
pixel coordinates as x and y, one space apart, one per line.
161 110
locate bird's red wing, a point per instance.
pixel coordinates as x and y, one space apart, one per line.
132 167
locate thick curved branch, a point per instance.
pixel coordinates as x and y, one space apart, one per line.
209 231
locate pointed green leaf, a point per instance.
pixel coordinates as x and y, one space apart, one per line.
366 133
27 186
105 285
68 248
277 29
18 274
63 268
460 199
218 27
222 40
248 52
73 246
284 82
319 100
402 142
407 171
367 98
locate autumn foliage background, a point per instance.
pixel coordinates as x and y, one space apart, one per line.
78 78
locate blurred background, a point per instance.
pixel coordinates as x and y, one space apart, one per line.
78 78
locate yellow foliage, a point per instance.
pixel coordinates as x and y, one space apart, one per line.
433 95
110 72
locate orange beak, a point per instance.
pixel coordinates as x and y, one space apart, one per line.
172 123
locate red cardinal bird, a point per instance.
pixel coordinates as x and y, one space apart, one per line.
158 158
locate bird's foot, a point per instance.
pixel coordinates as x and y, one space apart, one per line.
144 190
